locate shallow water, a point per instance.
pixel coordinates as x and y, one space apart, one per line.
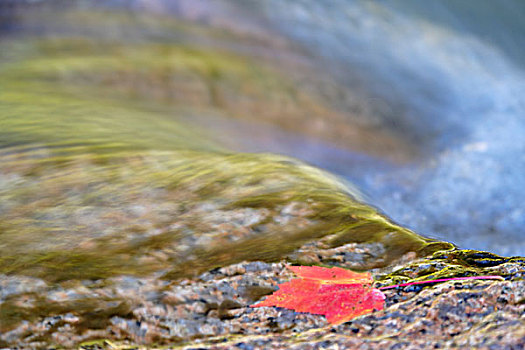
436 99
462 87
447 77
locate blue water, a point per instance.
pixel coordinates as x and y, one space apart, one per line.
447 75
463 95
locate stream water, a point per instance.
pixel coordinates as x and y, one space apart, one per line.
458 69
445 79
447 75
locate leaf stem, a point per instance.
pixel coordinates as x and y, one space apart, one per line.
444 280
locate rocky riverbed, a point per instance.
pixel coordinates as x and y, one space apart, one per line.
211 311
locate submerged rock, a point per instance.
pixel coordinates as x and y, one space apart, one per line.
181 213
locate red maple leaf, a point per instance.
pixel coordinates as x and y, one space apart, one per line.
338 294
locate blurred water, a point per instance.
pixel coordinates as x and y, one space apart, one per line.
446 75
464 99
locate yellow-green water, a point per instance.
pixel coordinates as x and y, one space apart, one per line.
103 173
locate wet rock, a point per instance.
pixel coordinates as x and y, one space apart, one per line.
214 312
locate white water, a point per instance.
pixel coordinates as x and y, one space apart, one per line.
464 104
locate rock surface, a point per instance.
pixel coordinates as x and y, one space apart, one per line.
212 311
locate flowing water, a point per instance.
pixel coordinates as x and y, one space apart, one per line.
421 108
449 77
457 69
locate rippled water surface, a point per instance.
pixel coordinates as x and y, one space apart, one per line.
421 106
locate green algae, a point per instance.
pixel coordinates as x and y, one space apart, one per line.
449 264
107 344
